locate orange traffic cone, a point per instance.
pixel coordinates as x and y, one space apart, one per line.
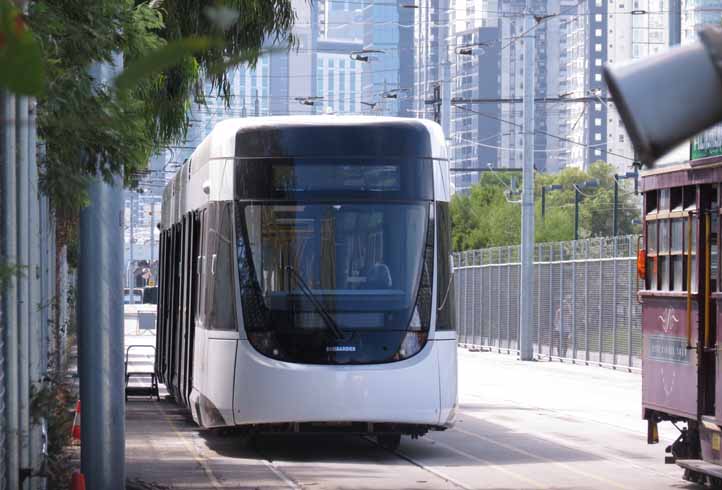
77 482
75 431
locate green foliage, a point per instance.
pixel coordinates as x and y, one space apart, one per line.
52 402
20 56
86 128
241 26
484 217
167 48
159 60
8 271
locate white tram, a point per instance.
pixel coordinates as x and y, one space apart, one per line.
305 278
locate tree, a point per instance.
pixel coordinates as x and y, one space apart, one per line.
168 49
484 217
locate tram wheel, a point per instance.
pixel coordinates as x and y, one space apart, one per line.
694 477
715 483
389 441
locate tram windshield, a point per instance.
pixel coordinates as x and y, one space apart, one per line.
309 266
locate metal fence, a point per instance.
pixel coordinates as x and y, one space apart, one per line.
27 289
585 306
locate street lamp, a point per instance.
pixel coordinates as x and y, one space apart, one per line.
587 184
615 218
545 189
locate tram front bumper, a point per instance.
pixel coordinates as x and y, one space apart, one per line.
267 391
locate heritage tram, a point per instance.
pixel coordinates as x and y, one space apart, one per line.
681 308
305 278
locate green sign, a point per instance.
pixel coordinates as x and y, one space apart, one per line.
707 144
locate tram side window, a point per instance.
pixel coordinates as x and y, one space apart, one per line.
663 255
201 270
221 312
445 291
677 254
651 266
667 239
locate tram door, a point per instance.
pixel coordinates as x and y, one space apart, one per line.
707 225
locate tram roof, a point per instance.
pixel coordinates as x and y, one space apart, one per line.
322 135
675 174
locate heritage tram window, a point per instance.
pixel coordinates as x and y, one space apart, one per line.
667 221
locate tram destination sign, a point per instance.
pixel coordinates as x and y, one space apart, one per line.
707 144
666 348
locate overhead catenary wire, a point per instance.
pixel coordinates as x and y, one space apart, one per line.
538 131
536 150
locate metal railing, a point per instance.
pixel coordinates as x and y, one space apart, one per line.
585 307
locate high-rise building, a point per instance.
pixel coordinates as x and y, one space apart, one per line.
431 32
475 128
388 79
636 29
328 72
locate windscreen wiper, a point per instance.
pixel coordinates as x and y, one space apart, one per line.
327 318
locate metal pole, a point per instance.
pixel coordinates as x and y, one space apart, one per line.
576 212
499 261
152 233
600 293
574 301
614 301
543 202
615 218
586 300
37 326
526 316
23 247
131 278
560 351
445 69
537 292
481 300
508 297
10 293
632 292
100 331
437 103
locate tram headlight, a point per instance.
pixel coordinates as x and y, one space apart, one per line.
411 344
265 342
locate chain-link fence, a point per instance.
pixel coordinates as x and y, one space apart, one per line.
585 304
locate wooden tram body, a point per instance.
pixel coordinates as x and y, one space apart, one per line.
681 308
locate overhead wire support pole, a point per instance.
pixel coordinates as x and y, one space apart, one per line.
100 326
526 316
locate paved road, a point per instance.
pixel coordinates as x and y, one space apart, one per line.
521 425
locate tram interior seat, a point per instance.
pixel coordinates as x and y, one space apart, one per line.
378 277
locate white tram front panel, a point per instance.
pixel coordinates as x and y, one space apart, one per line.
335 290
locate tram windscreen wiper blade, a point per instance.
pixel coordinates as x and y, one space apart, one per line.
327 318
